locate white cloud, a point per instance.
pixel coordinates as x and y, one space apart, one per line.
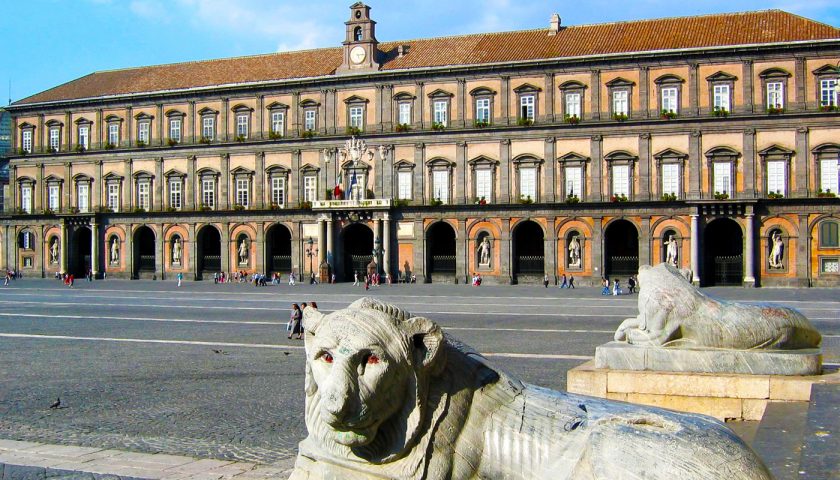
148 9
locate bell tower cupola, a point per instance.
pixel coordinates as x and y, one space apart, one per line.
361 51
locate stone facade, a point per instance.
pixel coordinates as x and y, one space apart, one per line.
681 142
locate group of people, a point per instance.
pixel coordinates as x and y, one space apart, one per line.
632 283
371 279
295 325
476 279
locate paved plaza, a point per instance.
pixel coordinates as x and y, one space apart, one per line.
206 370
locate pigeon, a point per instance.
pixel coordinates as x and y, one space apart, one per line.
285 353
56 404
220 352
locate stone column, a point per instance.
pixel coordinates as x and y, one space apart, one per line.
695 248
328 122
330 245
504 98
68 132
419 173
747 73
94 247
595 154
644 168
126 186
388 108
387 173
65 188
377 238
160 257
596 247
506 275
259 250
504 171
322 240
461 252
191 138
644 242
550 251
800 161
749 163
225 136
260 117
460 118
418 105
14 191
460 173
96 142
159 181
644 92
128 250
96 188
294 110
190 184
160 126
693 90
224 181
386 242
419 267
379 172
259 180
595 88
295 180
550 190
800 78
65 247
226 247
749 244
694 163
39 191
192 253
803 253
549 99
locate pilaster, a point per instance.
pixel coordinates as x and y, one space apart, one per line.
747 69
644 242
259 181
549 192
803 252
504 171
694 163
225 247
693 89
419 173
295 180
386 243
224 182
505 260
597 248
158 182
66 187
644 92
596 170
460 118
460 175
749 244
190 184
800 78
549 99
800 160
644 168
749 164
504 98
595 89
695 248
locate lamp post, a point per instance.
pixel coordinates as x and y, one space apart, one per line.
311 251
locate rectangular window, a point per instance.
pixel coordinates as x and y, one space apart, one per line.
114 134
310 186
828 94
621 180
242 126
528 183
620 105
574 182
143 132
208 128
404 185
484 185
278 123
27 241
309 120
405 113
721 97
278 191
55 138
776 177
84 137
526 107
114 196
53 204
26 198
175 129
723 178
440 112
671 179
144 195
440 184
357 117
775 95
830 265
242 189
175 195
482 110
669 100
208 193
573 104
829 176
83 197
26 142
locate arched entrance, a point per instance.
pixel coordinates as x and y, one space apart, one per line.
357 244
440 252
528 252
144 252
278 250
723 259
621 249
80 252
209 246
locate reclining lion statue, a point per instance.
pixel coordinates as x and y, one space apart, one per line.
675 313
388 395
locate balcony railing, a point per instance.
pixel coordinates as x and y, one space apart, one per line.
351 204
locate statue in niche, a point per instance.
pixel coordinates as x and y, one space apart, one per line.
54 251
574 252
243 252
777 251
484 250
671 251
176 251
115 250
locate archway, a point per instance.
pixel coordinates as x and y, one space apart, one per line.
209 246
144 251
621 249
79 264
528 251
723 260
357 244
278 250
440 250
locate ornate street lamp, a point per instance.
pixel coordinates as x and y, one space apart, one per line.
311 251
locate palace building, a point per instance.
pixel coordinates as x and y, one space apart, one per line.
710 141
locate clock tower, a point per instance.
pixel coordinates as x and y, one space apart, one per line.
360 45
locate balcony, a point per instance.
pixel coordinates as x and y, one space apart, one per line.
371 203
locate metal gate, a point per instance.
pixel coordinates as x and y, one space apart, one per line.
211 263
87 264
281 263
147 263
359 263
530 264
729 270
443 264
622 266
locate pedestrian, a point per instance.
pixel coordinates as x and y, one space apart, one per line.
7 278
367 282
563 283
295 327
571 281
313 305
616 287
215 278
606 284
332 278
292 278
631 285
355 278
545 280
180 277
72 278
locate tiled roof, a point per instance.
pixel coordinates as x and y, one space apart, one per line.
770 26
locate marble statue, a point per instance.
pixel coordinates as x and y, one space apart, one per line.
54 250
176 251
389 395
671 251
115 250
243 252
777 251
675 313
574 252
484 252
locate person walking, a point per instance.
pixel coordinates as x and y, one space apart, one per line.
355 279
616 287
180 278
606 284
631 285
295 327
545 280
571 281
563 283
292 278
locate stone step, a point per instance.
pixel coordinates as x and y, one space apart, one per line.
778 439
820 457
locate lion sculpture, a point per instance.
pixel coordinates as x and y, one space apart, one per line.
388 395
674 313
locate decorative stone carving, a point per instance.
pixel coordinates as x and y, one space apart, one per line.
777 251
355 149
115 251
674 313
176 251
243 252
574 252
671 250
54 251
389 395
484 252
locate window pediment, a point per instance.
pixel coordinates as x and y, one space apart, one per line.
404 96
572 85
143 116
722 154
721 77
620 156
277 170
241 108
573 158
309 103
669 155
526 159
527 88
82 121
775 72
173 173
26 125
112 119
277 106
349 165
483 160
776 151
174 113
54 123
112 177
241 171
207 172
403 165
309 168
620 82
355 99
26 180
207 111
478 91
81 178
826 69
668 78
53 179
826 149
438 93
440 162
143 175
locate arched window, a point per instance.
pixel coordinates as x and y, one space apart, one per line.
829 237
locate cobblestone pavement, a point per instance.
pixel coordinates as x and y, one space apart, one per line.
206 370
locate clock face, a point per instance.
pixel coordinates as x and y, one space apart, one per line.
358 54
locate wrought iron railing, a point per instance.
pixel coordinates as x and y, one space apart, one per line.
729 270
530 264
147 263
281 263
443 264
622 265
211 263
359 263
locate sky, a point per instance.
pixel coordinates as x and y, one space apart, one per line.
50 42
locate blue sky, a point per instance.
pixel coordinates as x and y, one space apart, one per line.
50 42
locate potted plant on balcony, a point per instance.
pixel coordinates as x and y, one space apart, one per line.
668 114
171 142
826 194
775 195
620 117
308 134
571 119
525 199
481 123
775 110
721 196
618 198
110 146
720 112
828 108
353 131
571 199
239 138
402 127
438 126
524 121
140 144
480 201
204 140
79 148
272 135
436 202
669 197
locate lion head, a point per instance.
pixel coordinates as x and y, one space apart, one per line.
367 374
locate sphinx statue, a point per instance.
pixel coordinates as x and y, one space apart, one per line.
389 395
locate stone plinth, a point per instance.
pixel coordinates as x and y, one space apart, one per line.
622 356
720 395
